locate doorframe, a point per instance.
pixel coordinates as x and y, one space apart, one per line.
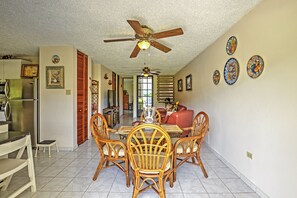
137 77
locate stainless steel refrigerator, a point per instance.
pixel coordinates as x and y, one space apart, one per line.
20 106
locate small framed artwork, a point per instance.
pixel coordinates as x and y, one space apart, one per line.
180 85
29 70
189 82
55 77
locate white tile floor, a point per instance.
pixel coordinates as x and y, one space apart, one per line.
69 174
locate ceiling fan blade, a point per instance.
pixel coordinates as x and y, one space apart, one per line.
136 26
160 46
154 73
135 52
25 59
168 33
116 40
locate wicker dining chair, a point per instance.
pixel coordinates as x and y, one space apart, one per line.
150 154
113 151
189 147
156 117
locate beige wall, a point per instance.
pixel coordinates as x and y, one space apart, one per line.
58 110
98 74
105 86
256 115
58 117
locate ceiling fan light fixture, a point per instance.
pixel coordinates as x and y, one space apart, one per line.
143 44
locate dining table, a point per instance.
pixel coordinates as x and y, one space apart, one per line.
174 131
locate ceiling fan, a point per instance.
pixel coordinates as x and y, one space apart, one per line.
147 38
9 56
146 72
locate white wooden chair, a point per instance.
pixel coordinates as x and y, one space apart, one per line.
9 166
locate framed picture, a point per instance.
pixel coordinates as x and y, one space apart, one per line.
55 77
189 82
180 85
29 70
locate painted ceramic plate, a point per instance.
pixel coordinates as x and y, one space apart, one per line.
216 77
231 45
255 66
231 71
55 59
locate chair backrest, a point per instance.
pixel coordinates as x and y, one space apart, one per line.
149 148
156 117
200 124
12 146
99 126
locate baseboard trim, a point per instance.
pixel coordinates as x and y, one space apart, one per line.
239 174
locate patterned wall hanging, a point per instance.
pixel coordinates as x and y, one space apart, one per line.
55 59
231 45
255 66
231 71
216 77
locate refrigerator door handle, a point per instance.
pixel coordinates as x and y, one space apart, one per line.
7 89
7 111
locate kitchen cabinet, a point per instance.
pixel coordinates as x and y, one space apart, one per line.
11 68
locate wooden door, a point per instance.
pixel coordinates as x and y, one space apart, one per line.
82 97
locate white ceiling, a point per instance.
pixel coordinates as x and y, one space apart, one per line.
28 24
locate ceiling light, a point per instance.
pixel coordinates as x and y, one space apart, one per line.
143 44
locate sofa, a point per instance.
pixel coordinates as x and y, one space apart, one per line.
163 111
182 117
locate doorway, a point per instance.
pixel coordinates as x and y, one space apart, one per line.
144 93
128 95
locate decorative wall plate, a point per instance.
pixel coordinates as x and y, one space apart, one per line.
255 66
231 71
216 77
55 59
231 45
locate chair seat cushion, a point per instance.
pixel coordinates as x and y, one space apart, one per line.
152 171
121 152
10 166
179 149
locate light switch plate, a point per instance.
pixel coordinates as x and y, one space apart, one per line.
68 92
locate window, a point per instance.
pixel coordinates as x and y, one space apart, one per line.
165 88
